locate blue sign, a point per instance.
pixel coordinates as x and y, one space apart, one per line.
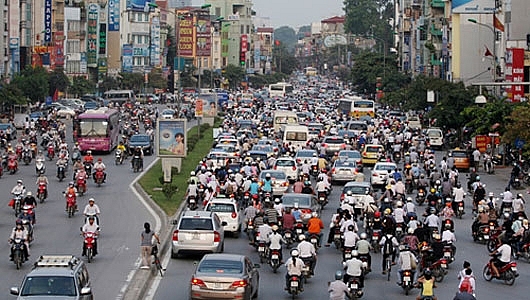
114 15
519 143
127 58
49 100
48 20
138 5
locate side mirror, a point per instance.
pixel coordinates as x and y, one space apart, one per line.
14 291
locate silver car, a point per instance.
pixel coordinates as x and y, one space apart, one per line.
198 231
343 170
280 182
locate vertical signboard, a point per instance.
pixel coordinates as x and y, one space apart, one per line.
515 73
203 35
57 59
114 15
155 41
92 35
127 58
172 138
102 39
15 54
47 21
185 37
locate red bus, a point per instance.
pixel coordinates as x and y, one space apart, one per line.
98 130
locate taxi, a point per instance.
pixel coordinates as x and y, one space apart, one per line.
370 154
462 161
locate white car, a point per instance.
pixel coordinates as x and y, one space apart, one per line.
288 165
379 173
228 211
65 112
168 114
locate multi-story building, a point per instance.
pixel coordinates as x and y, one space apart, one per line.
263 44
75 40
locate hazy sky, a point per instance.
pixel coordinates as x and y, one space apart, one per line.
294 13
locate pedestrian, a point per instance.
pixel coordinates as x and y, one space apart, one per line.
147 245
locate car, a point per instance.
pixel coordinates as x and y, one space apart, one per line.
148 98
65 112
228 211
36 115
343 170
333 144
352 155
168 114
305 154
414 122
436 137
268 149
379 173
228 148
142 140
359 190
255 154
197 232
462 161
370 153
10 130
280 183
225 276
219 158
56 277
306 204
288 165
91 105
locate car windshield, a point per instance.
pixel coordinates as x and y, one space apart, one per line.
372 149
459 154
334 141
93 127
284 163
196 224
49 286
274 175
305 153
434 133
350 154
291 200
344 164
139 138
264 148
356 190
385 167
221 207
220 266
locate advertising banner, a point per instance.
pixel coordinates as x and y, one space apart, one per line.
155 41
203 35
92 35
172 138
114 15
185 37
473 6
102 39
209 105
47 21
138 5
515 73
127 58
57 54
198 108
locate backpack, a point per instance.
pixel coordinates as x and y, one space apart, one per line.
465 285
388 248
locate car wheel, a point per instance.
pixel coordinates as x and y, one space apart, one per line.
173 254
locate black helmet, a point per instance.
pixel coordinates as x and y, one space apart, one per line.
338 275
427 272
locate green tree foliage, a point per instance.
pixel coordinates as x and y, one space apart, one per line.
157 80
370 65
10 94
33 82
81 86
109 83
369 18
284 61
235 75
259 81
516 124
131 81
483 118
58 81
287 37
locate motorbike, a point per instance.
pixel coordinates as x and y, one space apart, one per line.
439 269
51 152
41 192
337 237
448 254
306 269
18 151
397 157
408 185
299 228
314 171
322 199
274 260
293 285
71 204
76 155
376 236
399 230
28 226
250 231
99 177
60 173
489 166
81 185
263 251
420 197
288 237
507 273
346 253
118 155
460 209
314 239
40 167
136 164
17 204
88 167
192 202
354 288
484 232
407 283
12 165
89 241
18 249
246 199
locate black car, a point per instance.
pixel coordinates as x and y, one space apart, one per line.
142 140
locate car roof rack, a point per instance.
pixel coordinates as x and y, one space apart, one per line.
57 261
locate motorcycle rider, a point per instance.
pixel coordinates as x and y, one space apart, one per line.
516 170
350 238
62 162
29 200
518 205
307 189
321 186
122 148
338 289
92 210
276 240
406 261
354 268
428 285
501 256
507 199
71 190
294 268
91 226
363 248
315 226
482 219
88 158
42 179
99 165
449 238
19 232
139 152
19 189
307 253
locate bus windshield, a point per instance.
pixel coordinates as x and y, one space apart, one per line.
92 127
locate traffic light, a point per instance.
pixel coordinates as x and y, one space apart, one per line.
242 58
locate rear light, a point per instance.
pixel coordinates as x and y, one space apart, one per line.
234 215
341 197
294 278
306 210
364 153
406 273
324 145
333 171
216 237
239 283
275 167
294 168
343 146
196 281
375 174
175 235
486 229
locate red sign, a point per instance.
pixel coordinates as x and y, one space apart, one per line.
203 35
483 142
515 73
185 37
244 43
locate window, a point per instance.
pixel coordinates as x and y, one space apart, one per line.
73 25
217 11
242 30
196 224
221 207
73 66
73 46
95 127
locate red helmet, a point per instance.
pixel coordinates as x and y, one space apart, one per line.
377 214
99 159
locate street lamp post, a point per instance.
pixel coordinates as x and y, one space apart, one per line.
474 21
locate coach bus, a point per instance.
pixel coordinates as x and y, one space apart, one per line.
98 129
356 107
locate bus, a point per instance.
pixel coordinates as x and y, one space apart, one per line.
310 71
356 107
284 117
120 96
280 89
97 129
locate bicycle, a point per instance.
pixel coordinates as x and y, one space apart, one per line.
388 264
156 260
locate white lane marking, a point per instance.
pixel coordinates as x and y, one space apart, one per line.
156 281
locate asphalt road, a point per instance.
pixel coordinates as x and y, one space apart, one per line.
175 283
122 220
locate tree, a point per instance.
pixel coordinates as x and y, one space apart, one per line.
171 44
33 82
58 81
10 94
368 66
285 62
517 126
131 81
235 75
490 115
108 83
369 18
81 86
287 37
156 79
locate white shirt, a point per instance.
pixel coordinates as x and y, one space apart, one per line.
432 221
507 197
264 231
354 267
459 194
295 269
505 251
90 228
405 260
518 205
448 236
410 207
399 215
306 249
91 210
350 239
276 239
345 224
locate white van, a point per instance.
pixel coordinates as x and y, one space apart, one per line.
436 137
296 135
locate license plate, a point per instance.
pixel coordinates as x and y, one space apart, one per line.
196 236
347 255
354 285
313 241
217 286
444 266
305 269
299 231
336 236
486 237
460 208
260 249
375 238
514 269
406 279
250 227
274 256
192 201
447 254
294 283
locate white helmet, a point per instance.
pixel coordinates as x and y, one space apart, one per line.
294 253
349 193
354 253
192 173
314 214
490 194
409 199
301 237
399 204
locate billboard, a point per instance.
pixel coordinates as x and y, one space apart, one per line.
92 35
185 36
127 58
473 6
138 5
48 21
198 108
155 41
172 138
114 15
515 73
203 35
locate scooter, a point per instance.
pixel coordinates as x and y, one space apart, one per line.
407 283
293 287
192 202
89 241
81 185
489 166
18 249
263 250
508 273
274 260
60 173
17 204
322 199
12 165
137 164
40 167
51 152
420 198
99 177
118 155
71 204
76 155
41 192
354 288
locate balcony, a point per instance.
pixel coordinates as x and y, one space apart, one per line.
438 3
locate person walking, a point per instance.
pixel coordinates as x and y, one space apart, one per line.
147 245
